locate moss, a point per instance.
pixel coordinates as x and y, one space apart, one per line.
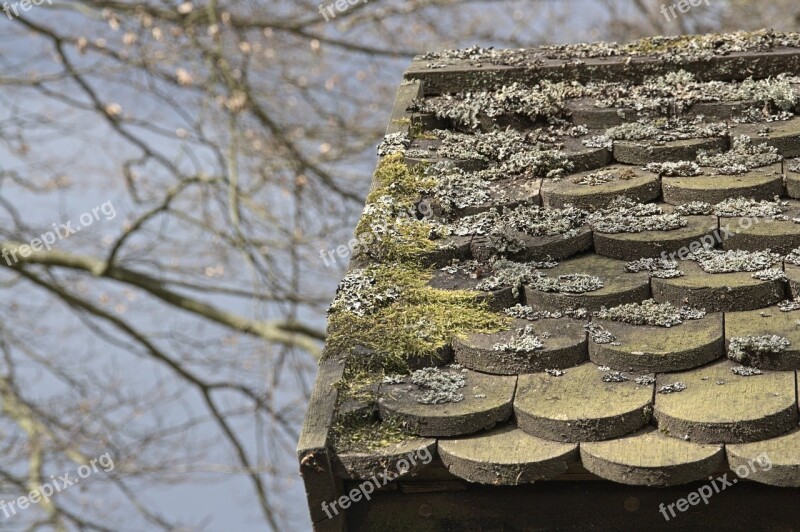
418 324
365 435
389 229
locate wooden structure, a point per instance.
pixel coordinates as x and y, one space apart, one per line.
629 213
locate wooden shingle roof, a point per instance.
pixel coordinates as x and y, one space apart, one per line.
575 262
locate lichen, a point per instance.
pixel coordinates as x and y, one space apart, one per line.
625 215
539 102
438 386
361 293
746 371
660 268
573 283
744 156
524 340
675 169
729 261
675 387
770 274
752 350
789 305
527 313
649 312
513 274
599 335
748 207
394 143
663 130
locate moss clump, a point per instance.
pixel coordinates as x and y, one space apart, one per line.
366 435
389 229
418 323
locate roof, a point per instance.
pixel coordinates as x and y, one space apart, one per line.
580 258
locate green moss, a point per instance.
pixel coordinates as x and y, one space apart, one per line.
418 324
389 229
364 435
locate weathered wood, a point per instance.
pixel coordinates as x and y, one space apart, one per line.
619 286
629 181
775 461
769 321
742 409
656 349
579 406
717 292
735 66
313 450
643 151
487 400
760 184
401 118
583 111
633 246
648 458
506 455
564 346
364 465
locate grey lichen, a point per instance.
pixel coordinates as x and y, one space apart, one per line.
394 143
662 130
789 305
527 313
645 380
694 208
675 169
438 386
525 340
657 267
599 335
741 158
538 102
675 387
770 274
555 372
751 350
615 376
730 261
625 215
649 312
746 371
360 293
573 283
748 207
514 274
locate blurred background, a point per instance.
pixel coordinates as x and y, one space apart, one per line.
233 142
